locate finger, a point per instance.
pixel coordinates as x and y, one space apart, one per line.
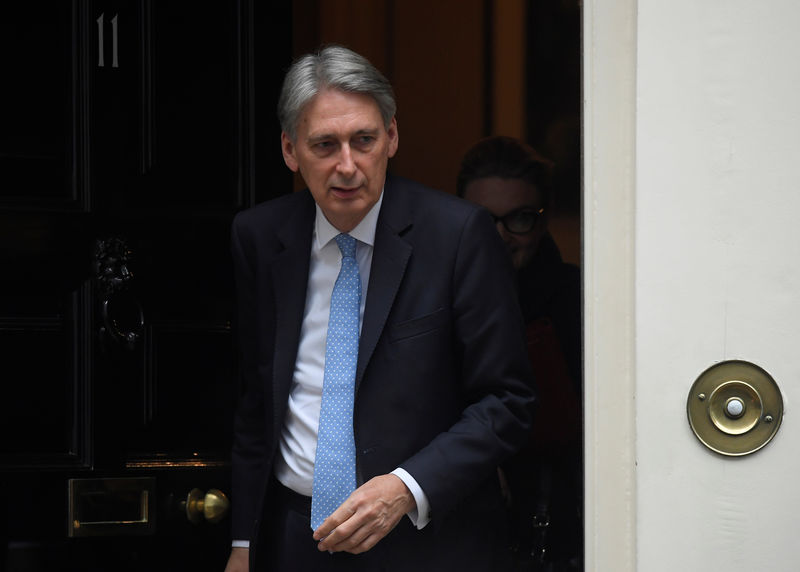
339 516
344 531
347 536
367 544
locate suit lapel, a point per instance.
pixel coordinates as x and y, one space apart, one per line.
389 259
290 282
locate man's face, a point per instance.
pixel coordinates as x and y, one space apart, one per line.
503 196
342 150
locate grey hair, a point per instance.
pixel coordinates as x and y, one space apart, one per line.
332 67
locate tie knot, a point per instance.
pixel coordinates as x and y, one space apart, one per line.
347 244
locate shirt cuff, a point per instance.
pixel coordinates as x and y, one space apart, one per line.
421 514
240 544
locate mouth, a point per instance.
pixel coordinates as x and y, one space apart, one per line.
344 192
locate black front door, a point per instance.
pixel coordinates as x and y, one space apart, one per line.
131 132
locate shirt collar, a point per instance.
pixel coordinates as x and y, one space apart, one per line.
363 232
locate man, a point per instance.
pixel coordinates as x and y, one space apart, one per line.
514 183
384 377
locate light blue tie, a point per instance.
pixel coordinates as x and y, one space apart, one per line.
335 465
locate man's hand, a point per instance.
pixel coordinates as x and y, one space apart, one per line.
239 560
369 514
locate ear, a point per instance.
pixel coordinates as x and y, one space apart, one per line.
288 149
394 137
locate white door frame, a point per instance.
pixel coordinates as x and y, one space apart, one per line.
609 128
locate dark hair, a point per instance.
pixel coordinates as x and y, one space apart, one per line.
506 158
332 67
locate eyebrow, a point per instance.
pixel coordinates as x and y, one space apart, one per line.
325 136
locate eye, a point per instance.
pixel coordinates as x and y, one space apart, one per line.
522 221
324 147
364 141
525 218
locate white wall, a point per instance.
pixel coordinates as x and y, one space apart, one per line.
692 256
717 273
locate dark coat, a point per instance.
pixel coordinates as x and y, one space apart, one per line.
443 383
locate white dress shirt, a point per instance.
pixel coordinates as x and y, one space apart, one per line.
294 465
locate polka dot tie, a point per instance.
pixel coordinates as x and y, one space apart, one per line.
335 465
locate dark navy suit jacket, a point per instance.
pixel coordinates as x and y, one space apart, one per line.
443 384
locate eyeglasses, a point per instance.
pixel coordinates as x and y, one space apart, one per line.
521 220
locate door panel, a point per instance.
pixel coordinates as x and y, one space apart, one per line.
37 124
169 114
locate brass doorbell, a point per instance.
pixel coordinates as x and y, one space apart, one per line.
735 408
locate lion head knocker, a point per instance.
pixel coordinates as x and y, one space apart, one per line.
123 317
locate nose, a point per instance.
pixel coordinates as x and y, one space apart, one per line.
501 229
346 165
